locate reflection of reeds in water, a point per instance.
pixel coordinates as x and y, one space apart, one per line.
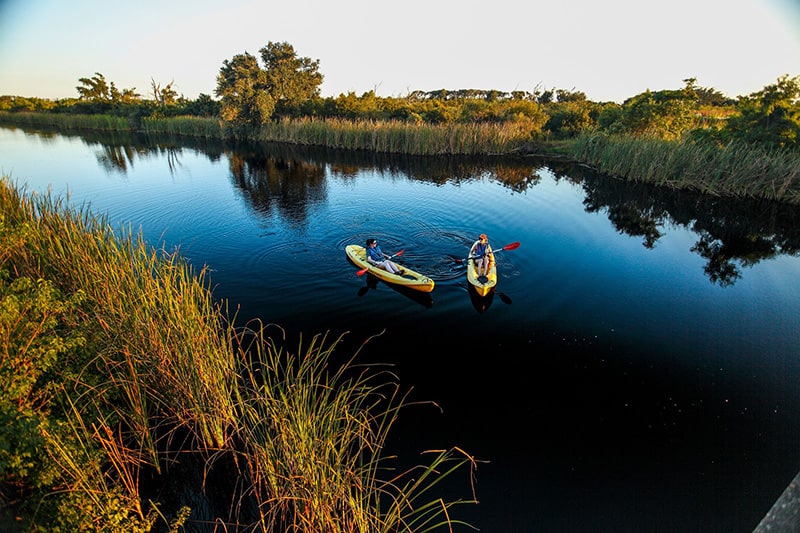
736 169
161 370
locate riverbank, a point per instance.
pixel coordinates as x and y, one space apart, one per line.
736 169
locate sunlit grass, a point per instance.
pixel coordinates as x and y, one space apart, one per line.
314 438
67 121
202 127
399 137
733 170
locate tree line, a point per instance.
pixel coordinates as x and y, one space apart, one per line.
279 85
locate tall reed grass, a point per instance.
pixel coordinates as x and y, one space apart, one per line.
66 121
398 136
736 169
315 439
164 369
395 137
201 127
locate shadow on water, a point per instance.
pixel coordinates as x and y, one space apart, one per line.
480 303
371 283
505 298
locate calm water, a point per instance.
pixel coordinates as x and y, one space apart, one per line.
637 368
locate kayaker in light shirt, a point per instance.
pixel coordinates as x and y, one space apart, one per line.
375 256
481 253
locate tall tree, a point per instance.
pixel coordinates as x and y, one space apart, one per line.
242 88
94 89
97 89
251 95
290 80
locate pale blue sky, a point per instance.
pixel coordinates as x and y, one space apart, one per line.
610 49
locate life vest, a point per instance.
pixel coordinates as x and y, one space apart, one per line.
480 250
375 253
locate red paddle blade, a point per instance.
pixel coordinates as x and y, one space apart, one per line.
399 253
512 246
362 271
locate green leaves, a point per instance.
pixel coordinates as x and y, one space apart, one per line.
251 95
770 117
241 84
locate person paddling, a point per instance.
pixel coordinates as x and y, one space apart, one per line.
375 256
481 253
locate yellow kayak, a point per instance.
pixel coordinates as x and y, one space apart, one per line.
482 284
411 279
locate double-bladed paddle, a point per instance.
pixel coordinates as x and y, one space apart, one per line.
512 246
364 270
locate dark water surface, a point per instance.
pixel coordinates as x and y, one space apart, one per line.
637 368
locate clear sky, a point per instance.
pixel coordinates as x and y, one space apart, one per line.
609 49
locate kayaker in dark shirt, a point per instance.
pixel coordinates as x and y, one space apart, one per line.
481 254
375 256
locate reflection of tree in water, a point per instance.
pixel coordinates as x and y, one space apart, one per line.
727 237
517 178
733 233
120 157
119 150
115 158
292 186
516 174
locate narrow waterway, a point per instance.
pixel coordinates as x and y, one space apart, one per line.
636 369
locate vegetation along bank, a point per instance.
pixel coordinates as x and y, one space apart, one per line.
123 371
693 137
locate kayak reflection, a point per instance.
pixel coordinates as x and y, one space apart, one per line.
480 303
371 282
